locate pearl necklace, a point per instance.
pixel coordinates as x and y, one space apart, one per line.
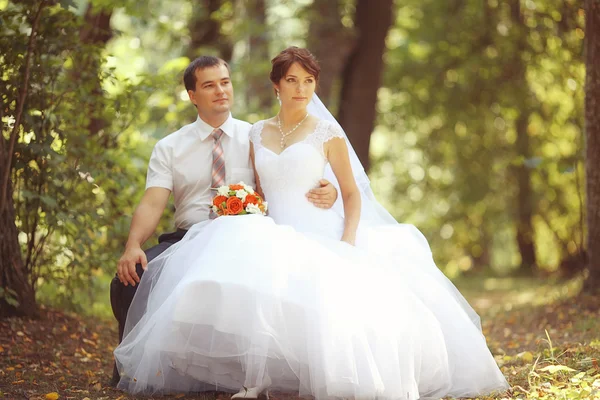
284 135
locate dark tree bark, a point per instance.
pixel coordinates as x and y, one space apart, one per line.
525 200
331 42
362 74
96 28
592 129
483 260
14 277
260 90
205 31
95 31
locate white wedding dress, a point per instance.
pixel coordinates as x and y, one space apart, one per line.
244 298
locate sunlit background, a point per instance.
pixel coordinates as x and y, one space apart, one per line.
477 138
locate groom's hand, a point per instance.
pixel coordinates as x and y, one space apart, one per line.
324 196
126 268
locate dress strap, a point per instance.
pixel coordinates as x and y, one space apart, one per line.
324 132
255 134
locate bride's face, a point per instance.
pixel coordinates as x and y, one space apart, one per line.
296 88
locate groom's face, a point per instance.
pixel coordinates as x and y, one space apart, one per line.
214 92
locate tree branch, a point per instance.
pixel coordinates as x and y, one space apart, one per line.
20 104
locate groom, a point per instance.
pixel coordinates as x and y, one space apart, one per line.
188 162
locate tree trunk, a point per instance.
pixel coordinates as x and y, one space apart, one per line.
525 199
95 31
205 31
96 28
525 236
482 261
362 75
592 129
17 297
331 42
259 90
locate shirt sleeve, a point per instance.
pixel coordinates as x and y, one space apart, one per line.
160 172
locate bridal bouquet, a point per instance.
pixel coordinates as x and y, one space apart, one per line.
238 199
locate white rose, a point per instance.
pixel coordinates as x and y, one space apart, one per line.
241 194
215 209
249 189
253 209
266 205
223 191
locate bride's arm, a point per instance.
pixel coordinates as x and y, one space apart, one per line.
256 179
337 154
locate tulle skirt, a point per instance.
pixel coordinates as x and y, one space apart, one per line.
241 300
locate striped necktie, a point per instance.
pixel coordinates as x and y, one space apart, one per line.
218 165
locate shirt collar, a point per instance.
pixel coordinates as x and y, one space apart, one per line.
205 129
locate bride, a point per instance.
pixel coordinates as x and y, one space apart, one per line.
326 303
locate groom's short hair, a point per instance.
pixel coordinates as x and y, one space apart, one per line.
202 62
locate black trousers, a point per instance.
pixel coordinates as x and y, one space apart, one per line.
121 296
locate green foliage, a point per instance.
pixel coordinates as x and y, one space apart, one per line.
73 189
446 151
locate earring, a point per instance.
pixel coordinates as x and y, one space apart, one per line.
278 98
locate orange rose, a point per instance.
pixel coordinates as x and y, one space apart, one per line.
234 206
219 200
235 187
250 199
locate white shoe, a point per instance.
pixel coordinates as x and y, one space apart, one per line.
254 392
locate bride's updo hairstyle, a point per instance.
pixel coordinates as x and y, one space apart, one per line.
284 60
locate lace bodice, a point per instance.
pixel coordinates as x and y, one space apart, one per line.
286 177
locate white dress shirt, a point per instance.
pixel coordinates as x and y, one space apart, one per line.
182 163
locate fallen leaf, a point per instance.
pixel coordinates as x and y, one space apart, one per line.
526 356
52 396
556 368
